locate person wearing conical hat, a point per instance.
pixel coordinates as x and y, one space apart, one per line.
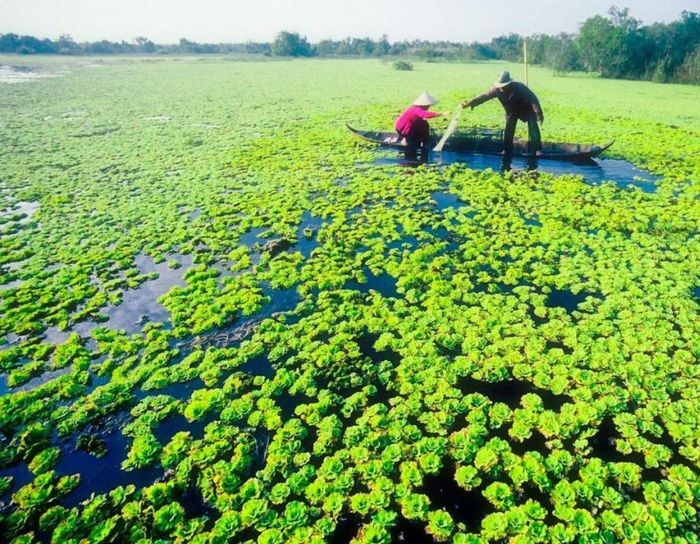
412 124
519 102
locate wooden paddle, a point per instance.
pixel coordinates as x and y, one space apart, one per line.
450 130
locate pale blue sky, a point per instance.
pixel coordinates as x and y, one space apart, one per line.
166 21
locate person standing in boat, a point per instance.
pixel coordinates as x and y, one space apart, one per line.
412 124
519 102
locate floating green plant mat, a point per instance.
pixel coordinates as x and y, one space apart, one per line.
348 354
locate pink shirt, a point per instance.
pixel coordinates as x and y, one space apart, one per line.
405 122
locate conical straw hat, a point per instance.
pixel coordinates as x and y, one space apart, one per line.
425 100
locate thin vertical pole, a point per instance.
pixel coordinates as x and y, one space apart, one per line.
525 60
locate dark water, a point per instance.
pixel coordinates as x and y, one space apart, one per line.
594 171
445 200
346 529
366 345
468 507
141 304
384 284
304 244
307 243
252 237
100 475
565 299
177 423
510 392
281 300
21 476
138 306
412 532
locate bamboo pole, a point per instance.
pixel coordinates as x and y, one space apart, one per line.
525 60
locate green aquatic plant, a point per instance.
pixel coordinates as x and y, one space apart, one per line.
166 518
330 336
440 525
144 451
494 526
91 444
467 477
228 525
500 495
415 506
333 504
44 460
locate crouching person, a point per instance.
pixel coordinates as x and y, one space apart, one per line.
412 125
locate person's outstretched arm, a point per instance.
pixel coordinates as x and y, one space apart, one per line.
474 102
427 114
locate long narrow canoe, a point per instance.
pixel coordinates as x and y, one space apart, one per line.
489 142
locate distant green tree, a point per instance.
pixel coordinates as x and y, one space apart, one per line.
592 43
509 47
479 51
381 48
290 44
9 43
144 44
103 47
187 46
674 46
611 45
256 48
689 71
66 45
363 47
428 52
327 48
562 54
26 45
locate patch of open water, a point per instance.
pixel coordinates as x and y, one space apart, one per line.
20 74
14 284
141 305
306 237
21 476
444 200
384 284
510 392
563 298
22 207
138 306
468 507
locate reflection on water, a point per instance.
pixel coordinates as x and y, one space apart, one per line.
622 173
138 306
141 304
20 74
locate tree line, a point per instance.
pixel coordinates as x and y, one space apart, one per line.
616 46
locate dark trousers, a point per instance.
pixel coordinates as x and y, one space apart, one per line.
417 138
534 137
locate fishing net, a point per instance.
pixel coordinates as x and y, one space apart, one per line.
478 133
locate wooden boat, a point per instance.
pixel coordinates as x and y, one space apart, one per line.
489 142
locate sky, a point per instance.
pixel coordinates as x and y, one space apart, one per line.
215 21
